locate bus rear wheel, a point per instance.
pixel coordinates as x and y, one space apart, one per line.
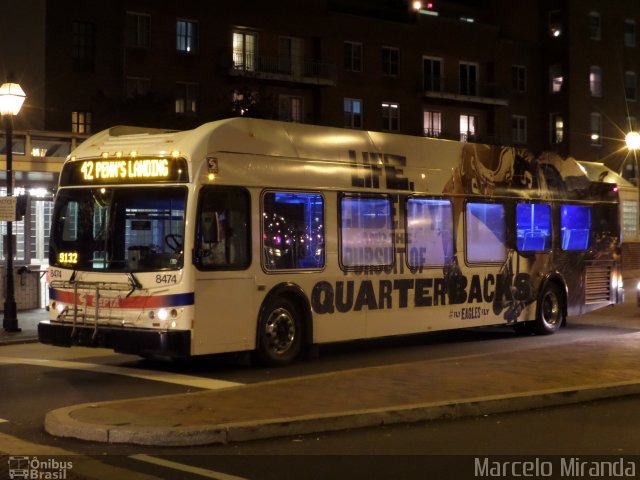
550 311
279 333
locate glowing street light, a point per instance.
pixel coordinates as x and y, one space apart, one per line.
633 140
11 99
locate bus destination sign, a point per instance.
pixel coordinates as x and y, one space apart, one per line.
121 170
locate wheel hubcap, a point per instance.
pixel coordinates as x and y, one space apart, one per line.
551 309
280 331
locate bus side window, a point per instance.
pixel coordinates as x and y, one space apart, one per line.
223 228
429 232
485 232
533 227
575 226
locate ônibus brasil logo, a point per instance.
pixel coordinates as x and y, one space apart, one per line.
33 468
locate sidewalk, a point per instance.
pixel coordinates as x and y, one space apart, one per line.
28 324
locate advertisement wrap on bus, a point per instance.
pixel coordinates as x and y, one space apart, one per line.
272 237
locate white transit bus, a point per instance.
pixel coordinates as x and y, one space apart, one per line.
267 236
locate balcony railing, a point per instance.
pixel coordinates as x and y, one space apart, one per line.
491 94
286 69
40 151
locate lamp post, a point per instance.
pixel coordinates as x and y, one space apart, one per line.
11 99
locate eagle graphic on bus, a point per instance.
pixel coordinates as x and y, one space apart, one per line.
273 237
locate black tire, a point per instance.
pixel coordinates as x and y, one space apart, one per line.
550 310
279 333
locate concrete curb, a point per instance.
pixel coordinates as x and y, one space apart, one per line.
60 423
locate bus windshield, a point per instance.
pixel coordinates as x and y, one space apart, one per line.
118 229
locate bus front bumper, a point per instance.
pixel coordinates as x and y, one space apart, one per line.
138 341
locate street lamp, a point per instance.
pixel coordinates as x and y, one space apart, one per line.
11 99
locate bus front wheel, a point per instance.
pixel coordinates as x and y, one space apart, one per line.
550 311
279 333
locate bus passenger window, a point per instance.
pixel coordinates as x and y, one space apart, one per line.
533 227
367 232
429 232
575 226
485 232
223 229
293 231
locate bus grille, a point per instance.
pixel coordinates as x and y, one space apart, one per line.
598 285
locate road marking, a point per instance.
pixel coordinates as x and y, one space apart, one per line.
156 376
203 472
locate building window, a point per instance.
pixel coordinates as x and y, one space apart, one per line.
632 123
353 56
469 79
519 129
432 124
186 36
186 98
352 113
468 127
81 122
290 108
555 23
557 128
596 129
137 86
432 74
83 46
594 26
519 78
290 56
556 78
630 85
138 26
595 81
629 33
244 51
391 61
390 117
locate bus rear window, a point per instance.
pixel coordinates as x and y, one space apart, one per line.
485 232
367 232
575 226
533 227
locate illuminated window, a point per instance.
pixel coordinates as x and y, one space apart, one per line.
290 108
594 26
468 127
518 129
432 124
353 56
596 129
555 23
485 232
432 74
557 128
595 81
81 122
519 78
556 77
629 33
533 227
390 117
390 61
468 79
137 30
630 85
366 232
352 113
244 51
186 36
429 232
186 98
575 227
293 230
